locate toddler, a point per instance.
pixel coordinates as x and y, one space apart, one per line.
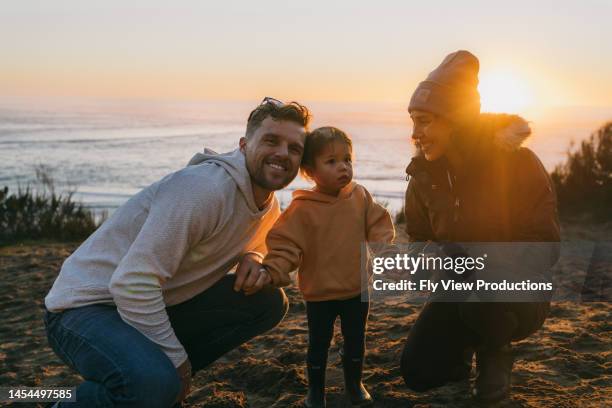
321 234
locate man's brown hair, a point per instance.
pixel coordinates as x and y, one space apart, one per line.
292 111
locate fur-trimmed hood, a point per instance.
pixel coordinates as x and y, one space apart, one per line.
508 132
492 134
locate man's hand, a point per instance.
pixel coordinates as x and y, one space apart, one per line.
184 372
251 276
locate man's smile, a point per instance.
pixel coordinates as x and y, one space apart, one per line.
277 165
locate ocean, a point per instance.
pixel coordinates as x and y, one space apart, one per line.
107 150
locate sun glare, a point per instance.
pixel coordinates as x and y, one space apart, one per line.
503 92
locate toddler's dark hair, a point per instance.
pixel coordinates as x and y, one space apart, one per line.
316 142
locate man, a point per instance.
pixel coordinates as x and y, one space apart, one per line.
147 299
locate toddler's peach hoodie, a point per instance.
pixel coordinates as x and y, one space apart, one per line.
323 235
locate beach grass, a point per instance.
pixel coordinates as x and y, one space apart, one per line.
39 213
584 181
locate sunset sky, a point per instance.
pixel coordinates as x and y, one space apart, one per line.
533 52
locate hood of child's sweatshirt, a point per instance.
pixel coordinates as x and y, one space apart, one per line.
235 164
312 195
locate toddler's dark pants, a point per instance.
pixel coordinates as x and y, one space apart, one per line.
321 318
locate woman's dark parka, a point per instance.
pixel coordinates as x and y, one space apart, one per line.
502 194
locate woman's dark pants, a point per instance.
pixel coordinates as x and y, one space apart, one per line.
440 339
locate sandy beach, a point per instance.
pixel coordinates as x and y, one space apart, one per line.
566 364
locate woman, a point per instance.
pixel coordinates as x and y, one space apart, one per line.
471 181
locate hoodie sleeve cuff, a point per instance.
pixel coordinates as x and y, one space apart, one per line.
257 254
279 270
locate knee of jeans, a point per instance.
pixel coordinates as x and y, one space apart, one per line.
153 388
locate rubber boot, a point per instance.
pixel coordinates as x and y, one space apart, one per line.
316 386
494 369
356 393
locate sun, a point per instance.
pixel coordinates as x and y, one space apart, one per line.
504 92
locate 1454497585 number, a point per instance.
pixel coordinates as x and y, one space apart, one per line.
40 394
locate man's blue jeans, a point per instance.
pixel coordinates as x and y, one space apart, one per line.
123 368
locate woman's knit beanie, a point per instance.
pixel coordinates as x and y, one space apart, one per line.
450 90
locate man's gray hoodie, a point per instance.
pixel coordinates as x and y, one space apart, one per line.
168 243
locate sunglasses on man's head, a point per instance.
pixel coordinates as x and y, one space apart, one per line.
268 99
273 101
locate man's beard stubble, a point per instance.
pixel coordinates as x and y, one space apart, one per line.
260 180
